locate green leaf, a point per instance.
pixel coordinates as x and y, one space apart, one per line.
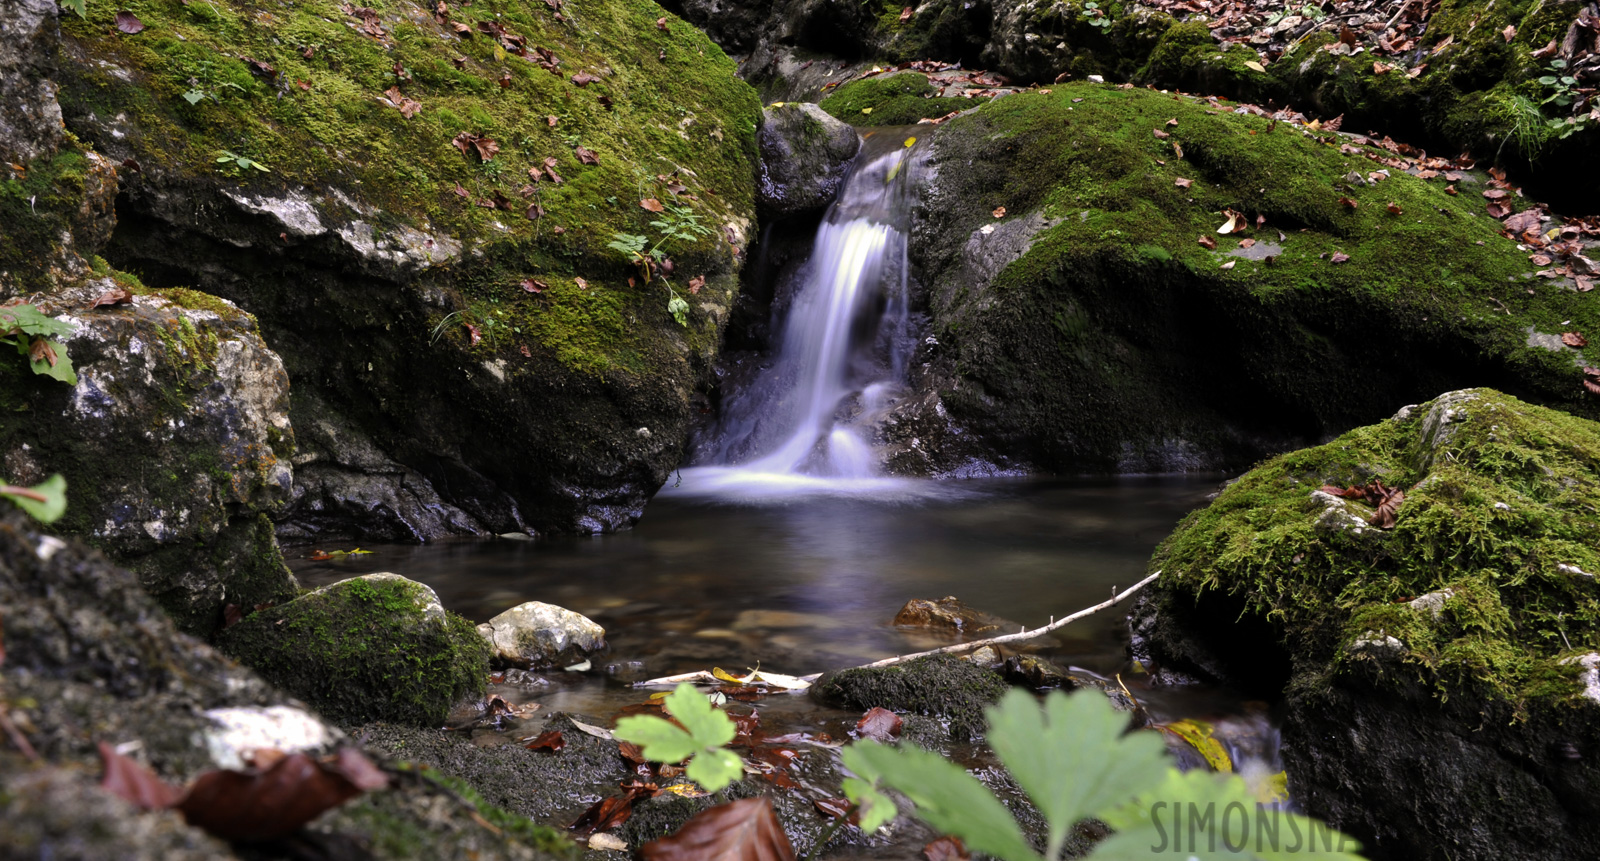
715 769
710 728
659 739
876 809
79 6
29 320
62 370
1204 816
54 491
193 97
946 796
679 309
1073 756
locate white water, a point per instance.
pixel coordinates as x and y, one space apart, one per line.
804 426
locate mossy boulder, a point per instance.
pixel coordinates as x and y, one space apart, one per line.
941 686
1081 323
376 647
1433 668
805 154
454 302
891 100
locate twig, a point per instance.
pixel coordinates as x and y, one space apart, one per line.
1023 635
1390 26
17 738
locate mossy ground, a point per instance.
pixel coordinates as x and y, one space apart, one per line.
37 205
360 651
1112 332
949 688
892 100
1492 514
317 122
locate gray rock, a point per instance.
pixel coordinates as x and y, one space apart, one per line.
243 729
1590 677
1432 603
1440 425
805 154
535 634
30 118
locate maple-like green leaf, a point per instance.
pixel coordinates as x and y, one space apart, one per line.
46 510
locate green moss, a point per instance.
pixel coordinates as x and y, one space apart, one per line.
676 112
941 686
362 650
1099 348
892 100
37 204
1501 501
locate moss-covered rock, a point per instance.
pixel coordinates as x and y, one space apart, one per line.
941 686
891 100
1082 325
387 263
377 647
805 154
1433 667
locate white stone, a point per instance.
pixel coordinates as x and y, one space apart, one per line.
1377 642
1591 674
1432 603
535 634
239 731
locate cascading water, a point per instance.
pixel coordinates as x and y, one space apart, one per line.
804 423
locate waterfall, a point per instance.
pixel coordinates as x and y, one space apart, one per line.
805 422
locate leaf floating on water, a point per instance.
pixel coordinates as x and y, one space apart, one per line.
744 830
879 724
1199 735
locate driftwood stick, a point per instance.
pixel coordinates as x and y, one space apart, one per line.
1023 635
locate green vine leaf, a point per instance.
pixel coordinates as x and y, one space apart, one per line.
79 6
44 502
704 733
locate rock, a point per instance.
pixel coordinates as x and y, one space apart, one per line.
536 635
376 647
242 730
1465 707
947 615
805 154
940 686
30 118
395 302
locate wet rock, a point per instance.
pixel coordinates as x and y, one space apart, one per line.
946 615
30 119
377 647
805 154
942 686
240 731
48 812
1465 707
536 635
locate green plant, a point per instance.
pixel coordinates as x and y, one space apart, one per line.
44 502
79 6
232 161
703 735
1074 758
33 333
675 223
1563 87
1095 16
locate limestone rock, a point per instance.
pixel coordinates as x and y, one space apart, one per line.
946 615
536 634
376 647
805 154
241 730
30 118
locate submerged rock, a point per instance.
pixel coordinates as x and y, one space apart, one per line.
954 690
805 154
376 647
1435 673
536 635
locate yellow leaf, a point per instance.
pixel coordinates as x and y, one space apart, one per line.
1252 64
686 790
866 110
499 54
910 141
1198 735
725 676
1273 789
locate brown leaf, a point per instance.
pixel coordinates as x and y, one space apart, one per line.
611 811
1394 208
461 192
1573 339
584 79
1591 380
550 741
1496 193
551 120
833 808
1451 190
652 204
129 23
582 284
1160 134
41 351
1524 221
505 80
696 283
999 212
1381 68
946 849
486 148
534 285
1207 242
1347 36
1246 243
1348 202
133 783
1584 284
879 724
1539 260
534 212
118 296
661 24
1182 183
1510 32
906 13
1339 257
586 155
744 830
263 805
1388 507
1498 210
1448 41
474 334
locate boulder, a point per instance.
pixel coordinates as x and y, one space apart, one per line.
436 265
376 647
534 635
1435 674
1088 314
805 154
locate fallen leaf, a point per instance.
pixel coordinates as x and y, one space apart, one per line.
551 121
611 811
1246 243
652 204
1348 202
906 13
946 849
582 284
1236 221
999 212
1394 208
1160 134
1177 149
1510 32
1591 380
1230 264
474 334
1451 190
1339 257
1388 507
1539 260
408 107
744 829
1573 339
548 741
833 808
1495 193
879 724
526 353
1448 41
534 285
118 296
584 79
129 23
1416 71
586 155
1381 68
1182 183
1172 122
133 783
661 24
1207 242
263 805
696 283
505 80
